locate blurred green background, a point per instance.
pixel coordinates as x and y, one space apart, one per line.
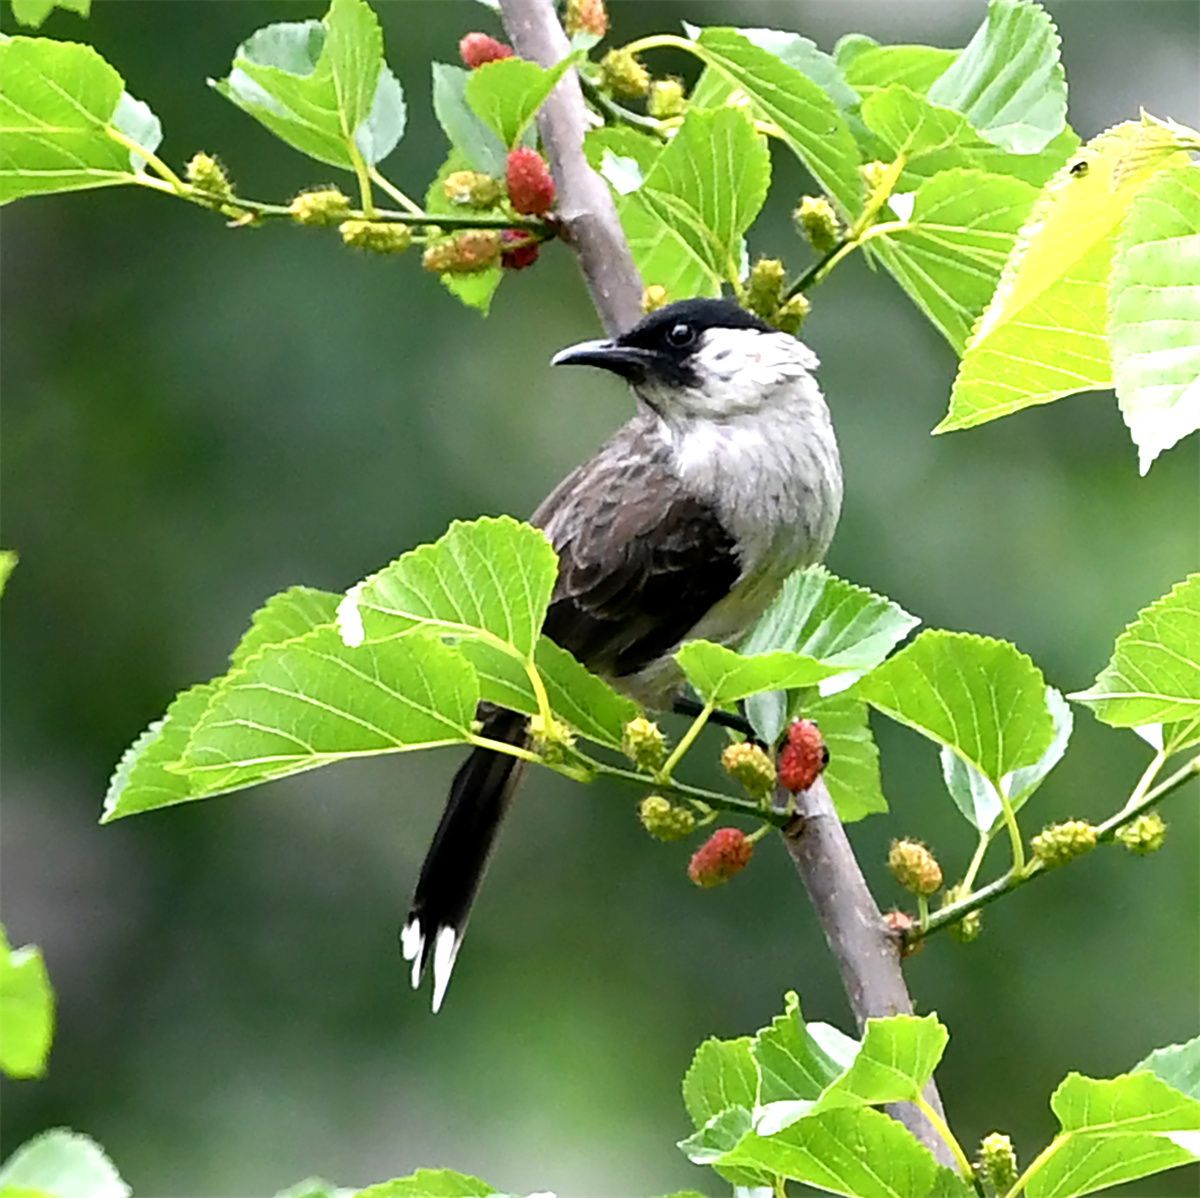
195 418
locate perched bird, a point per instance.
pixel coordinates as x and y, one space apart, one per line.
683 525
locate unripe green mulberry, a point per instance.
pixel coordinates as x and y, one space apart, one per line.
551 738
644 744
471 189
321 206
665 820
790 316
206 173
997 1162
816 219
1144 835
623 75
748 765
667 98
476 250
968 928
465 254
380 237
1060 843
915 867
654 297
764 287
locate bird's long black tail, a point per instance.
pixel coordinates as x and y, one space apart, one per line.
455 864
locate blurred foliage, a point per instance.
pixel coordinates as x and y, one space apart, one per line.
197 417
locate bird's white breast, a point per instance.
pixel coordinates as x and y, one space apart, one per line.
758 445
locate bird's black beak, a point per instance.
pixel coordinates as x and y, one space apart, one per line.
629 361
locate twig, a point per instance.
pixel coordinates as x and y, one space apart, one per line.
619 112
710 798
1015 878
587 212
868 957
447 220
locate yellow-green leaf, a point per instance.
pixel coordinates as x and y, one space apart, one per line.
1154 313
686 218
66 122
1153 676
1009 82
26 1010
1044 334
811 123
321 86
507 94
949 254
982 698
34 12
314 701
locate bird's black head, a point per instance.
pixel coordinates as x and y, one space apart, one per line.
661 347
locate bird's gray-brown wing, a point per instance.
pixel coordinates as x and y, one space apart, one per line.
640 560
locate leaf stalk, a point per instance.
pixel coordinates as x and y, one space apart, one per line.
943 1129
685 742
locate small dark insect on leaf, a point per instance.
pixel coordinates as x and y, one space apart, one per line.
1079 169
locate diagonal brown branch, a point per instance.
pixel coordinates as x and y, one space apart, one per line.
867 956
589 218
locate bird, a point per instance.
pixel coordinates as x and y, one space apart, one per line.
683 525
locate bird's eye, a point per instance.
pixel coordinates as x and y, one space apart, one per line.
680 335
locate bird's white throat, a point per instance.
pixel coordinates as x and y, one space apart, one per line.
754 438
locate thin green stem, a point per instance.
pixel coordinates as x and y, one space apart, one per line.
942 1128
861 232
386 185
770 129
1106 831
473 220
880 194
1130 812
364 180
1036 1165
662 41
698 794
151 159
619 112
968 882
539 692
500 746
1014 832
685 742
1147 779
817 271
922 910
589 767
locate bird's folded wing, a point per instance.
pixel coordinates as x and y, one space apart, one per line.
640 560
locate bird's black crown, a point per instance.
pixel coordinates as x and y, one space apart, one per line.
675 329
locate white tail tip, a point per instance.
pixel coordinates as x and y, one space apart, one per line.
445 949
412 942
